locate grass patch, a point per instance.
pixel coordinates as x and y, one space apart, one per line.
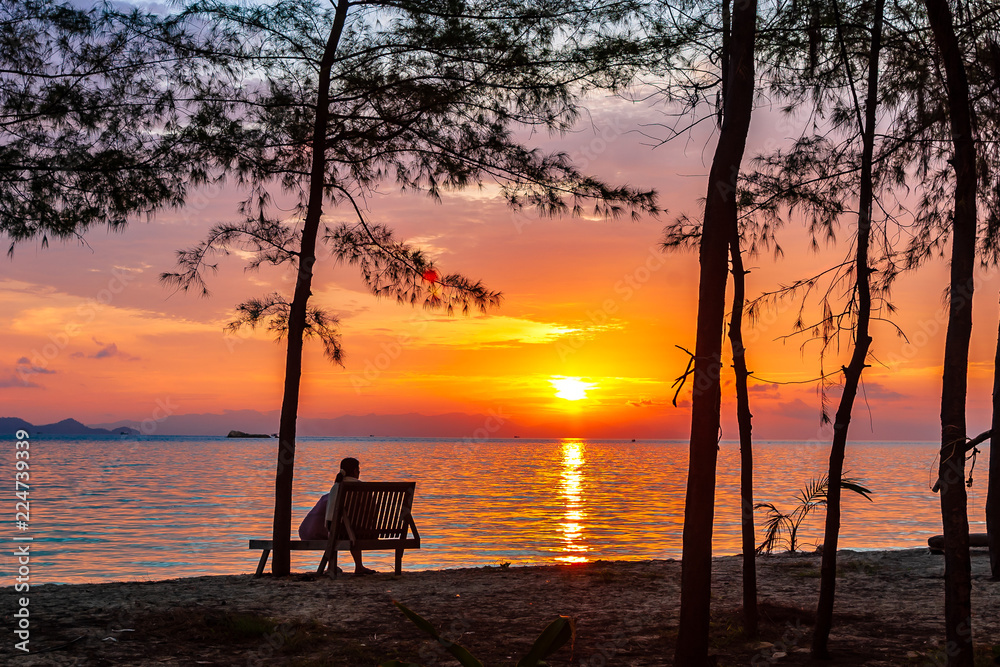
216 627
776 623
348 652
240 626
806 573
987 655
726 632
865 567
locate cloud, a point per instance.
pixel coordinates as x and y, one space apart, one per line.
25 367
881 392
765 389
17 380
426 243
870 391
111 350
799 409
107 351
646 403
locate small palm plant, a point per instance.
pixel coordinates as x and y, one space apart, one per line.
781 528
553 637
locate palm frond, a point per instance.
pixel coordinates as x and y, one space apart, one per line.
776 525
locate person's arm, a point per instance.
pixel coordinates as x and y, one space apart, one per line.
331 501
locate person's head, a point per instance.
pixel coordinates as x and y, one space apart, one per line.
350 467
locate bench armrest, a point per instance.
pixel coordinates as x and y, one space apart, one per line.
412 525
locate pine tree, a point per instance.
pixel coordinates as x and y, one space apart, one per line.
330 102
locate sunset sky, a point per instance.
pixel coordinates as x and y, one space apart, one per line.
589 299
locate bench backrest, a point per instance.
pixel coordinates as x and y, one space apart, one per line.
377 510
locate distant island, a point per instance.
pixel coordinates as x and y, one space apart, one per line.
241 434
65 427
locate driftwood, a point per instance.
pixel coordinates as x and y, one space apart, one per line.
936 543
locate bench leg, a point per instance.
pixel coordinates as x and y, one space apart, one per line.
322 564
399 561
262 563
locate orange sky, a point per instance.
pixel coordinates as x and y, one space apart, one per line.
103 340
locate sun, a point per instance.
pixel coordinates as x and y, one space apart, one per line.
572 389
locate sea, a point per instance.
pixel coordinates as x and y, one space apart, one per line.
123 508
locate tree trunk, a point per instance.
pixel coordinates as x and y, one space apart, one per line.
993 488
743 415
720 212
745 420
727 33
954 502
862 342
284 475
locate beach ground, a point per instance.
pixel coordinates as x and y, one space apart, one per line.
889 611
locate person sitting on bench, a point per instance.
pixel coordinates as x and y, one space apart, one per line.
316 525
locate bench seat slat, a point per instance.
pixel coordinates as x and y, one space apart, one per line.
368 544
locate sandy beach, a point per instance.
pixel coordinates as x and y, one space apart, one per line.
889 607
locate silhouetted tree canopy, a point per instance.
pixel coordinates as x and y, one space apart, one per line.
331 102
85 121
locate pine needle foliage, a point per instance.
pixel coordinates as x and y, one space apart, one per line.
86 125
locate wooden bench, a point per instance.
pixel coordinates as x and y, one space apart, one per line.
367 516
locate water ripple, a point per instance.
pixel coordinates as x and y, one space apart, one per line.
171 506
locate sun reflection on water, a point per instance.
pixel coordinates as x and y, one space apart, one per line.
173 506
571 490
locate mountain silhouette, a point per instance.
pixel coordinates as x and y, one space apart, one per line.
64 427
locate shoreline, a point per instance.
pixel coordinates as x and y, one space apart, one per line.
386 557
889 610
